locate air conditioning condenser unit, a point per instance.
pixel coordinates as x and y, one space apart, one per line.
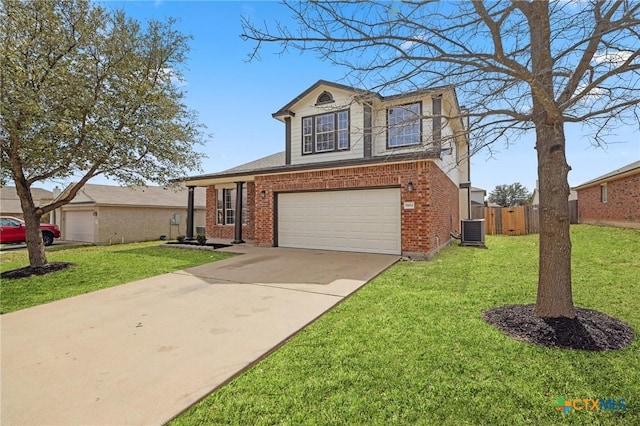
472 232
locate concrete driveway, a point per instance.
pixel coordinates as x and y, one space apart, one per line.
140 353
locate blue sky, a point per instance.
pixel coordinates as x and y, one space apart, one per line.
235 99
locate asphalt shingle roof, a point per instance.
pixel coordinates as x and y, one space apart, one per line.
10 203
627 168
150 196
268 162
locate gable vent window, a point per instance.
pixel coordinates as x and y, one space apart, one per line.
324 98
325 132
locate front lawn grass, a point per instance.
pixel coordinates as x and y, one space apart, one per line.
96 267
411 347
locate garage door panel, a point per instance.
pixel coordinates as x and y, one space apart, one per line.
354 220
79 226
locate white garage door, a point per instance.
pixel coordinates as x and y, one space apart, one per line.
361 220
79 226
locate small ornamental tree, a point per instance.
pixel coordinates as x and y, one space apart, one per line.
511 195
87 92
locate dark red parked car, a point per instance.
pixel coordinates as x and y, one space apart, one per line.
12 230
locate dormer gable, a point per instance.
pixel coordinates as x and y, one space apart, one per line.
318 89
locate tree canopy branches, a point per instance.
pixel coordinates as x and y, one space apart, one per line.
87 92
516 65
484 49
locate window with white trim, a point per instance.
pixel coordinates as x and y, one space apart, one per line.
226 206
404 124
325 132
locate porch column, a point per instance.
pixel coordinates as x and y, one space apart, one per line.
190 212
238 215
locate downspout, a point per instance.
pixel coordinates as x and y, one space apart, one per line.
465 122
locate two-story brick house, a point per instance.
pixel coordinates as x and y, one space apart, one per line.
360 172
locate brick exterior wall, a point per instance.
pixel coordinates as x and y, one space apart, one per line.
227 232
444 207
424 228
621 209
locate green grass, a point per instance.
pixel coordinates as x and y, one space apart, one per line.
411 347
96 268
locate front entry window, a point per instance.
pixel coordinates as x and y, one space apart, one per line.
226 206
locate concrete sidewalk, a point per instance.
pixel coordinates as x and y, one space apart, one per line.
141 353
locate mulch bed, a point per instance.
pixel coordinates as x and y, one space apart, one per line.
589 330
28 271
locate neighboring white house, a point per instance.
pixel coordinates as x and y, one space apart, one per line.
105 214
477 195
535 198
476 199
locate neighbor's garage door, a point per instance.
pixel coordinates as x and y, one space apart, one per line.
365 220
79 226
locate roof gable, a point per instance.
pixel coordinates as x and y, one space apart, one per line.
320 84
360 93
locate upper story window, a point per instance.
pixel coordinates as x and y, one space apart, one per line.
404 124
325 132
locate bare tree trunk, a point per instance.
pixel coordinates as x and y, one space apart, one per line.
35 245
554 269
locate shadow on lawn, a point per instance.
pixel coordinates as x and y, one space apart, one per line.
158 251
